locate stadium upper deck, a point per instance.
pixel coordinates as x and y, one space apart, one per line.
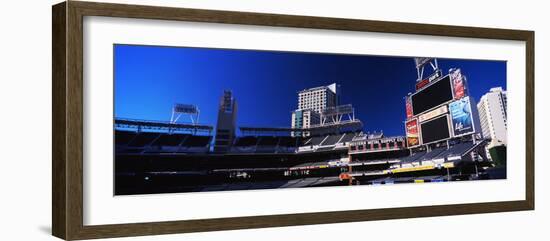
153 160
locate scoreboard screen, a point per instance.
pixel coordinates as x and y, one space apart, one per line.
435 130
432 96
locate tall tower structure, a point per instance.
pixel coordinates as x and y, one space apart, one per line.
226 125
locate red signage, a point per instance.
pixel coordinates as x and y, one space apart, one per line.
413 139
408 107
458 84
422 83
344 176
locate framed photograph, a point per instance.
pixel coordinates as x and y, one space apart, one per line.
171 120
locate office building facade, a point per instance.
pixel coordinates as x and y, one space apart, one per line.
311 103
493 115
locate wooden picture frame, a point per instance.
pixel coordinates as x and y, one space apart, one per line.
67 124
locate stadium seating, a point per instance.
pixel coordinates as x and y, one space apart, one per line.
268 141
456 150
124 137
326 142
414 157
169 139
315 141
332 139
265 149
177 162
265 144
155 142
246 141
288 141
197 141
433 154
133 150
143 139
348 137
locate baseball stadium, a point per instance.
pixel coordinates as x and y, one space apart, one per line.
324 145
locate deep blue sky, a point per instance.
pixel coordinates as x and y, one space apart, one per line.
150 79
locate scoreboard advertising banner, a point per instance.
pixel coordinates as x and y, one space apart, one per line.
420 84
461 117
408 107
459 87
413 138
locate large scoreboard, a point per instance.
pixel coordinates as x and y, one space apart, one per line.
435 129
435 94
440 109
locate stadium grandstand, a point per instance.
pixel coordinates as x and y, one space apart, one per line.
137 136
173 157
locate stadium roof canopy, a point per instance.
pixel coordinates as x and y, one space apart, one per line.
328 128
160 125
267 130
274 129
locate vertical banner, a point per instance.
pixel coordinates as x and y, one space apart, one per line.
408 107
413 139
459 88
461 117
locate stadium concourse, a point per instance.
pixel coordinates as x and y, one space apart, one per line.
159 157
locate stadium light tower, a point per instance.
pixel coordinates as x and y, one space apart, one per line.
185 109
421 63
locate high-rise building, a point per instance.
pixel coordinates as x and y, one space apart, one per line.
226 125
493 115
305 118
311 103
318 98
